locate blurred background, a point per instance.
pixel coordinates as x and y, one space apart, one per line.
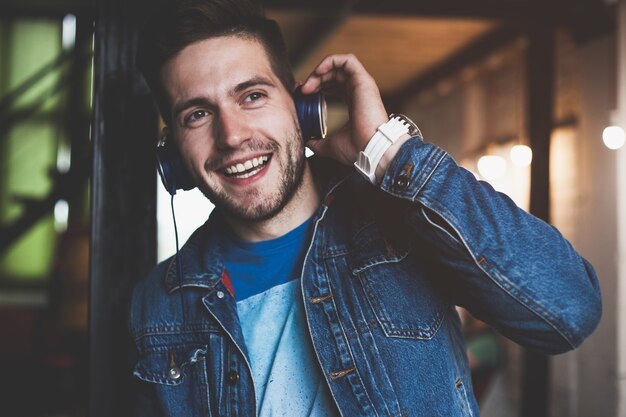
529 95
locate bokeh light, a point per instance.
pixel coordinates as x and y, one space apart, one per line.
492 167
613 137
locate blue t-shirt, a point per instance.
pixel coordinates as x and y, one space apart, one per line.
266 280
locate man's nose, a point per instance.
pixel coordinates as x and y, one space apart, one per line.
232 129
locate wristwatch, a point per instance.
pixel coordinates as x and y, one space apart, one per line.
386 134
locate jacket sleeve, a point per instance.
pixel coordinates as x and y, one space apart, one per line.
507 267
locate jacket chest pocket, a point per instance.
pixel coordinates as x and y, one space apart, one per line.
398 287
179 379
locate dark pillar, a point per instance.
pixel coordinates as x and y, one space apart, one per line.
77 117
123 201
540 72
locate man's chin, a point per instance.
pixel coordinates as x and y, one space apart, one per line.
245 211
252 212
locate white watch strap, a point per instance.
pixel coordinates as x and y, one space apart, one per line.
386 134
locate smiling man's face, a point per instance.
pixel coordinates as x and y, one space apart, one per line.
235 125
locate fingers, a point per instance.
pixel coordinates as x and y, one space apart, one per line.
335 69
344 74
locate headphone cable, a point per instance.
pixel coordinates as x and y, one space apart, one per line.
179 267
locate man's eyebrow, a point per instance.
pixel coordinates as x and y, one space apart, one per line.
251 83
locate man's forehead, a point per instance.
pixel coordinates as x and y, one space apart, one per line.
225 60
245 50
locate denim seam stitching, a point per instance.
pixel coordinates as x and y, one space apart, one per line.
432 223
505 284
381 260
432 163
174 330
392 330
158 378
534 306
356 370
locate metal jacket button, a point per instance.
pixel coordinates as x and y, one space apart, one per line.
401 182
173 373
232 377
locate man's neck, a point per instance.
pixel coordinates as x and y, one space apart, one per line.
300 207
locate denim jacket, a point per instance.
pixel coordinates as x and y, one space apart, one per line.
385 267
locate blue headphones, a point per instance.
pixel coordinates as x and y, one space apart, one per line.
311 110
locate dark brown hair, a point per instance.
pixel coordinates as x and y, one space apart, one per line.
177 24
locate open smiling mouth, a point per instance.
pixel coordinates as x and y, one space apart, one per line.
248 168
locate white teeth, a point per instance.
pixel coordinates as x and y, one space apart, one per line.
249 174
247 165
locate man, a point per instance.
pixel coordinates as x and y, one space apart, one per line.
315 288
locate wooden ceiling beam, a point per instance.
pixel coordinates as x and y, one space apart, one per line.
585 18
475 51
516 10
508 10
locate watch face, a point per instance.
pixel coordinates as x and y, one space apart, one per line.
413 129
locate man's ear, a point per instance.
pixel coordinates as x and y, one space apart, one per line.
165 134
295 86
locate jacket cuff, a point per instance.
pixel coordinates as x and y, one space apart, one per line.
411 168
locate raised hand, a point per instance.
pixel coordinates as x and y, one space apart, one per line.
346 76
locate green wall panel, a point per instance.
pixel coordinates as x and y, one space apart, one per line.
28 149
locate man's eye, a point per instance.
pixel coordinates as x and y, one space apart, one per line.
254 97
196 115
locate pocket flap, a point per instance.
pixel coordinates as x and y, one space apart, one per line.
370 247
168 366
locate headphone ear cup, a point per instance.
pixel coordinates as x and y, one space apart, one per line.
171 169
311 110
